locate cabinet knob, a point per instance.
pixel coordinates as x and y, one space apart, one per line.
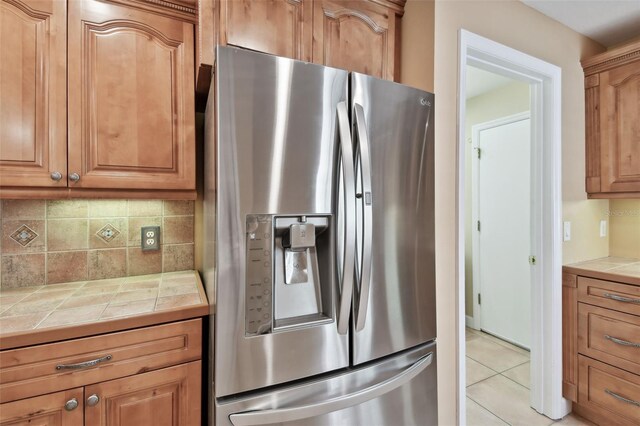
56 176
71 404
93 400
74 177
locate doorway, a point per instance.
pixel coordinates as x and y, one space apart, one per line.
544 247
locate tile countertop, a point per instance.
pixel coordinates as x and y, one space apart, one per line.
43 314
608 268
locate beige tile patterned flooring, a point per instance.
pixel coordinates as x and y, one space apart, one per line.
28 308
498 385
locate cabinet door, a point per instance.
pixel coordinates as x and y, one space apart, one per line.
355 35
131 98
33 120
45 410
279 27
620 129
167 397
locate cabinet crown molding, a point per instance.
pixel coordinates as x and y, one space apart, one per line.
611 59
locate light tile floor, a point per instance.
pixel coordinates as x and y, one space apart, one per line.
498 385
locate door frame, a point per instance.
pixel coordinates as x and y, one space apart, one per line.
476 321
546 278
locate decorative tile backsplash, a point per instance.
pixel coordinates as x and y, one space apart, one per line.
54 241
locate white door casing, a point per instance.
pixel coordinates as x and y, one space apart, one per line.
545 80
501 210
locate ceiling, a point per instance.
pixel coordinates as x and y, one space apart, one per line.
480 81
609 22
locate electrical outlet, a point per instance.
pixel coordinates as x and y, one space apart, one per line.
150 238
566 234
603 228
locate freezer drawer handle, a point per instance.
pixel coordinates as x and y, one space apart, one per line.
346 152
364 155
280 415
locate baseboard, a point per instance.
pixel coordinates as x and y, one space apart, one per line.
469 322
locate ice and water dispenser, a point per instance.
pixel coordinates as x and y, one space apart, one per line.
288 277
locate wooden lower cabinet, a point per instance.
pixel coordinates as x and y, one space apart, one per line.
149 376
167 397
45 410
601 352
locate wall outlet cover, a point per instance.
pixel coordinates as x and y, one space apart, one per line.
150 238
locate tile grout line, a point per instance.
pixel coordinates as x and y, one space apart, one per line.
489 411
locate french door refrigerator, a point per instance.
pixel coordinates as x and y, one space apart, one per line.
319 245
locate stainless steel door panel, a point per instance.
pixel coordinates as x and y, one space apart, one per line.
396 391
401 299
276 154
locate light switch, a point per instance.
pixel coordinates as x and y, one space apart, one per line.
603 228
566 231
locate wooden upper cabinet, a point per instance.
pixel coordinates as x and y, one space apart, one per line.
131 98
612 100
356 35
278 27
33 120
45 410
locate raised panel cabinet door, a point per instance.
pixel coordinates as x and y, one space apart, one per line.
131 98
620 128
167 397
355 35
55 409
278 27
33 104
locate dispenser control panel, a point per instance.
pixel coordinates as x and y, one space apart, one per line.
259 284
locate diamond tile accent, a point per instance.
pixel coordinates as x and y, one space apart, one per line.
24 235
108 232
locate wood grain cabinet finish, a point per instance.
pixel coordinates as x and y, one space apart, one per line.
131 98
38 368
356 35
601 346
33 119
167 397
612 101
45 410
148 376
278 27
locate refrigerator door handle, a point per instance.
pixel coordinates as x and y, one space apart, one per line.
348 260
288 414
366 197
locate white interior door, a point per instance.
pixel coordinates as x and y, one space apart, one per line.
502 238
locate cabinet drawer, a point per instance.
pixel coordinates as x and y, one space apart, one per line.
610 336
609 294
37 370
611 392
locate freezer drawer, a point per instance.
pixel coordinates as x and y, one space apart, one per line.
399 390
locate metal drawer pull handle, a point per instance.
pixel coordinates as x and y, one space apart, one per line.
622 342
622 398
620 298
85 364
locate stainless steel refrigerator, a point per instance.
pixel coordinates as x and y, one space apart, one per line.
319 245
